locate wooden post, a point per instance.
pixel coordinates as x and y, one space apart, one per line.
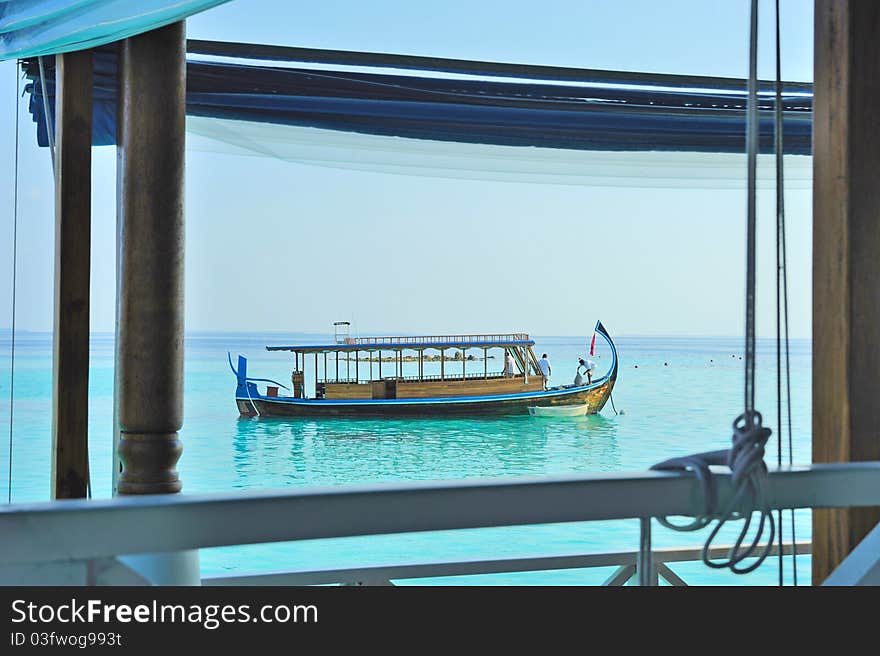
336 358
463 364
380 364
73 215
149 342
485 363
846 260
442 363
370 359
357 374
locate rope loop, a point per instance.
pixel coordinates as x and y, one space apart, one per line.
745 458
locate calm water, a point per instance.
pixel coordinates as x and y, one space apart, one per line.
677 396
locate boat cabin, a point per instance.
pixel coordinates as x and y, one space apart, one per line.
363 368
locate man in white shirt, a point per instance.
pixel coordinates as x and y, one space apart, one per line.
509 366
544 363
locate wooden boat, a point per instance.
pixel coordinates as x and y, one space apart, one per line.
358 392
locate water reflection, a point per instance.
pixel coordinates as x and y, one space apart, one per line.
304 452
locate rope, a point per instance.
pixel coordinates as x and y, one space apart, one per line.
782 298
14 270
247 388
745 458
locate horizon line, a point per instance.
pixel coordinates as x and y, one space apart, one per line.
317 333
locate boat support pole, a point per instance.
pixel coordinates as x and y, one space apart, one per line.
150 329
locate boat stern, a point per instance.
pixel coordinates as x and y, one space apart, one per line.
245 391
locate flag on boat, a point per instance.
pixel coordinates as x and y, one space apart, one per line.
593 344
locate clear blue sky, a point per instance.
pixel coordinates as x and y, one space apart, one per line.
280 246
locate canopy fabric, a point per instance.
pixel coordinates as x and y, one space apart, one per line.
460 119
466 161
29 28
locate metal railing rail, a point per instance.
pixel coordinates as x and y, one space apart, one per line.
624 563
77 530
440 339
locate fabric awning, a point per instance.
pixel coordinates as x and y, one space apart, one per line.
431 116
29 28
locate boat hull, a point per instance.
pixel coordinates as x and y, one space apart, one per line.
594 396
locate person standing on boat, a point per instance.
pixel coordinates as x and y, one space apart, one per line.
589 366
509 365
544 363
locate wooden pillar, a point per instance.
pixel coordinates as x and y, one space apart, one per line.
357 361
485 363
442 363
846 260
73 215
149 343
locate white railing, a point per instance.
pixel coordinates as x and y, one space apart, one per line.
88 536
624 563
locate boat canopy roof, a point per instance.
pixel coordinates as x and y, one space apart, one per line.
412 342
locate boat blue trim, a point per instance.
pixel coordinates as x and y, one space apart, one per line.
433 400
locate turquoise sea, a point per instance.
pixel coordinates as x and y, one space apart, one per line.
677 395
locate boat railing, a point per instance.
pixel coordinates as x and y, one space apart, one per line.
440 339
101 535
428 378
447 378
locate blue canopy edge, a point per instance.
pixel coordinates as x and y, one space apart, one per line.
29 28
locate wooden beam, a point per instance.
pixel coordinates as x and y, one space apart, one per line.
73 215
149 342
846 260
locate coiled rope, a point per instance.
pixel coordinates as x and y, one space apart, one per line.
745 458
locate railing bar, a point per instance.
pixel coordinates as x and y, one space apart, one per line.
620 576
669 576
645 557
621 559
676 554
80 529
434 569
